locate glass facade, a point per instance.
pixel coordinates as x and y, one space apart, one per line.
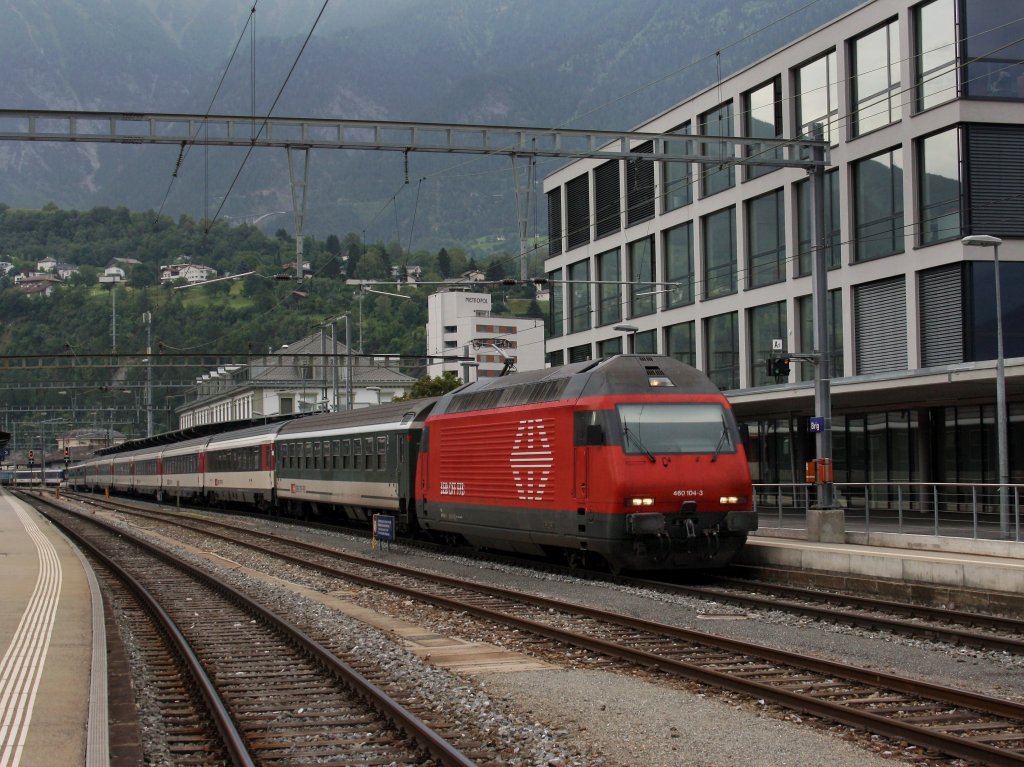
817 96
609 347
766 323
718 232
762 118
806 343
556 307
935 72
939 188
722 350
579 296
875 84
993 50
677 252
878 205
645 342
677 177
681 343
641 276
981 311
766 240
833 236
717 177
609 290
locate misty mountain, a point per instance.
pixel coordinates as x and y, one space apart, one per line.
571 63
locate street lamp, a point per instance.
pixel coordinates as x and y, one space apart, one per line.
632 330
985 241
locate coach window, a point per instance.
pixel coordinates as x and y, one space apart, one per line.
346 453
878 205
875 85
382 449
327 455
307 451
935 72
336 454
719 235
722 350
368 451
817 95
762 118
609 289
717 176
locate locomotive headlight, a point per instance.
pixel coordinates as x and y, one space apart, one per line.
639 501
732 500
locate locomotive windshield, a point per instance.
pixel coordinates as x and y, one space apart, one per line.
676 427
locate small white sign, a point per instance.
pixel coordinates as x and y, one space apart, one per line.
776 344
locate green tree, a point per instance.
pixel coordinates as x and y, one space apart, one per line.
433 387
444 263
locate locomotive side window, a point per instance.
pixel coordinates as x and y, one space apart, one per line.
592 427
677 427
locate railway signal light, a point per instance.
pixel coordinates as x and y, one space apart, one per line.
30 455
778 367
67 453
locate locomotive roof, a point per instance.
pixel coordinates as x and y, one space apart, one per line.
621 374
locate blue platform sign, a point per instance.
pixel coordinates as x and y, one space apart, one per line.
817 424
383 529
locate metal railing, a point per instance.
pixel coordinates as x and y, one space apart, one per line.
914 508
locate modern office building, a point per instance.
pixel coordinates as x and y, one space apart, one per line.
460 324
923 105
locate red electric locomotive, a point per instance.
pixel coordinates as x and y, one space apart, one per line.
636 460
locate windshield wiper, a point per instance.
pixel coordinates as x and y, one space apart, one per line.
721 441
636 442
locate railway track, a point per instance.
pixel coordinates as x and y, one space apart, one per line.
274 695
944 720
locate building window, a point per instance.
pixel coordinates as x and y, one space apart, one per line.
875 85
645 343
641 277
717 176
762 118
680 343
806 342
939 190
606 198
677 177
555 221
579 297
935 53
556 358
640 187
579 353
767 323
878 205
718 232
993 50
577 203
609 288
722 350
556 307
817 95
766 240
677 252
833 238
609 347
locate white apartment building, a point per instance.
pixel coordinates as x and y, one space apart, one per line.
923 105
460 324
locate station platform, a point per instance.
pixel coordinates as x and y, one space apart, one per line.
53 672
958 572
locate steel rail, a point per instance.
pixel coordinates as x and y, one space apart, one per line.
922 736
